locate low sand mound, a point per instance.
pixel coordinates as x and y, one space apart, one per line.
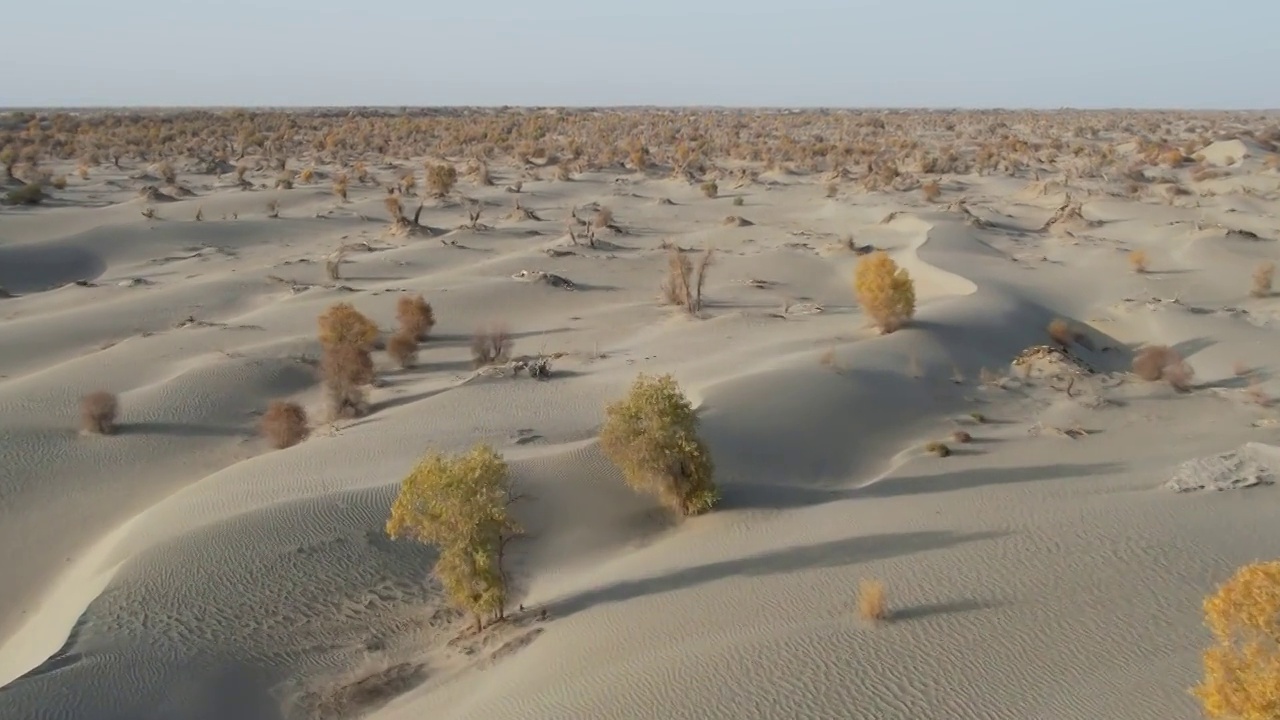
1249 465
151 193
546 278
1230 152
1041 188
1048 360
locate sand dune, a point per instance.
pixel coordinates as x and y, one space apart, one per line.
180 569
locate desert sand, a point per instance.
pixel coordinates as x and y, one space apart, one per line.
183 569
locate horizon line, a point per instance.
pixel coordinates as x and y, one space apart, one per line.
838 108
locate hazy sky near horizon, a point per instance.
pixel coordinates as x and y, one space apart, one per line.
846 53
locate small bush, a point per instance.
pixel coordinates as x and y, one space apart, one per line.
29 194
415 316
1161 362
490 346
931 190
937 448
961 437
441 179
873 606
885 291
685 279
98 412
710 188
403 348
738 201
342 324
1138 260
1062 334
652 436
346 370
284 424
1242 668
1262 277
459 504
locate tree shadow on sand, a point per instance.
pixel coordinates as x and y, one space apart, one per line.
757 496
836 553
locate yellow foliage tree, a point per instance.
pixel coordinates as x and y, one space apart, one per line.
652 436
459 504
342 324
1242 668
885 291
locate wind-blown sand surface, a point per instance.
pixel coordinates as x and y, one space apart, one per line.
180 569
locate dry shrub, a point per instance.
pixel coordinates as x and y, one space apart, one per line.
415 316
938 448
284 424
98 412
346 366
961 437
873 605
490 346
710 188
931 191
677 288
340 186
652 436
1161 362
346 370
1138 260
29 194
342 324
441 179
602 219
394 208
1262 277
685 279
403 348
1242 667
885 291
1062 334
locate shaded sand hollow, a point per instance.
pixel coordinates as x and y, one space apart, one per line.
180 569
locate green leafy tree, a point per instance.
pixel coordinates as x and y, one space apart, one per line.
652 436
459 504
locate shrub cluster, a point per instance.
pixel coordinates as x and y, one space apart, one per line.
346 366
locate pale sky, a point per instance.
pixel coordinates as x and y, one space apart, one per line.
837 53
